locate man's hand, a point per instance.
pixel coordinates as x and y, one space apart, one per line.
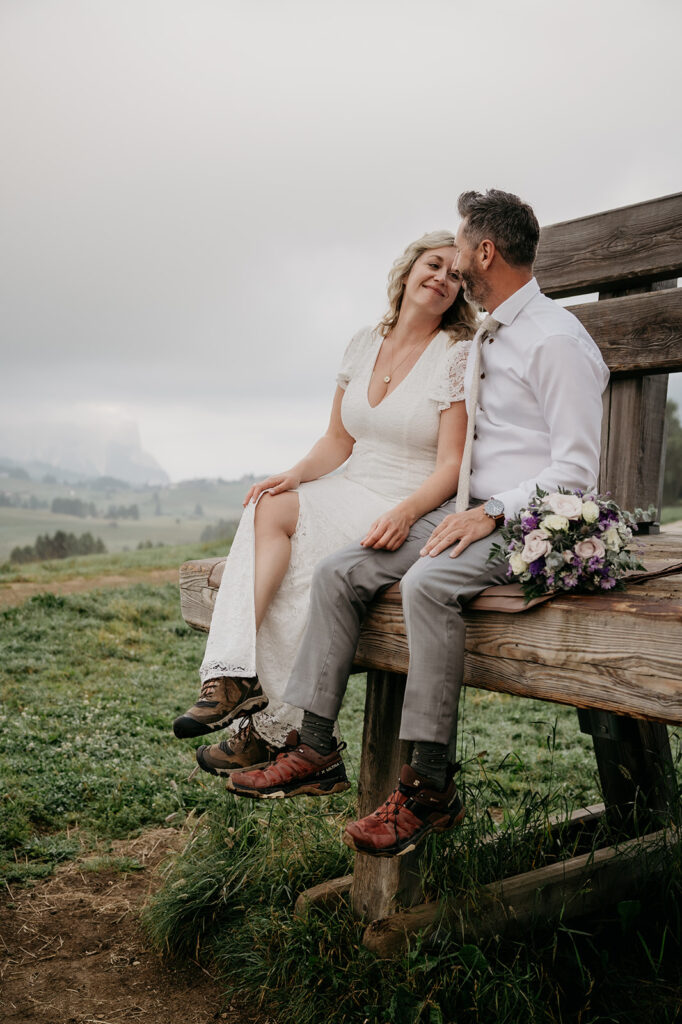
460 529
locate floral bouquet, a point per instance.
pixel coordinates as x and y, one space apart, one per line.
567 541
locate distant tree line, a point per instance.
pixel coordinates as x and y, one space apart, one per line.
224 529
8 500
62 545
123 512
73 507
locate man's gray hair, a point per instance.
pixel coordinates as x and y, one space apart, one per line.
503 218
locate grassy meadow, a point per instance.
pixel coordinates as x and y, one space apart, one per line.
170 515
89 686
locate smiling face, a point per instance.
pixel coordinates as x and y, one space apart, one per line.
431 283
466 264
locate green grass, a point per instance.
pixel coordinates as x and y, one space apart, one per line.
120 564
90 684
671 514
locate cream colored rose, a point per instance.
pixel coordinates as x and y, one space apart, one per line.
569 556
554 523
518 566
568 505
592 547
612 539
536 546
590 511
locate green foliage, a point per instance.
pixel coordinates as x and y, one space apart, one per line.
73 507
672 480
62 545
89 687
224 529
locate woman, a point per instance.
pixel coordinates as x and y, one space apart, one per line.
398 422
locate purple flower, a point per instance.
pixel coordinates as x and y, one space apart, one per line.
537 566
607 583
529 523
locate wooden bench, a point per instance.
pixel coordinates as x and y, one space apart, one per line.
617 657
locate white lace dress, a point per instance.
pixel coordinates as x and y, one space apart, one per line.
394 453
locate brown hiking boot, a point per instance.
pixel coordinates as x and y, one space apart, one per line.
247 749
220 702
412 811
298 770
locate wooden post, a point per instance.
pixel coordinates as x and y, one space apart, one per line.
633 757
380 884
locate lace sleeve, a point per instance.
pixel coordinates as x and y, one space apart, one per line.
349 364
448 383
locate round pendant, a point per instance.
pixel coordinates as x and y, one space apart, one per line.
387 380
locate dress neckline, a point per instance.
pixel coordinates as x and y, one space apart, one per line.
401 382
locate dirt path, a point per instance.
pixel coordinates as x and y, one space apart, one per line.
72 952
12 594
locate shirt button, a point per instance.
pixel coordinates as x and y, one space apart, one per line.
475 437
482 376
470 472
490 341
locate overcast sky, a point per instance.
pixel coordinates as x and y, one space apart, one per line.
201 199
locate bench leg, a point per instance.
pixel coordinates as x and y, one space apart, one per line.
380 884
636 769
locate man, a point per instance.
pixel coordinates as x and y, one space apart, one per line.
534 382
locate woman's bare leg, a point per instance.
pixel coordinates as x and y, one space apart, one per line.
276 518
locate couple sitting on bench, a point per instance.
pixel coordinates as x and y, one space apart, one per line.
533 384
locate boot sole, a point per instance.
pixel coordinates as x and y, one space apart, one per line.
197 728
397 850
280 793
226 772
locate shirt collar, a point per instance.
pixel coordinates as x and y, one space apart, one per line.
508 310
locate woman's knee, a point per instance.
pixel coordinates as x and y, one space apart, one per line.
277 513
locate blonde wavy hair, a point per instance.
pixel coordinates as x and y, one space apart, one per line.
459 321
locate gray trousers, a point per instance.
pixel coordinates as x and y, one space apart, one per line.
434 592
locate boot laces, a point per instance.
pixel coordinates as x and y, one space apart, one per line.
240 738
208 689
391 808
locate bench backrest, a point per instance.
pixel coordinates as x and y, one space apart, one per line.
632 258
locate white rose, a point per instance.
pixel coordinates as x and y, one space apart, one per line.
592 547
590 511
536 546
612 539
569 556
554 523
568 505
518 566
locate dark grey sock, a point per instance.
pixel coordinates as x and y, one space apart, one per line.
430 760
316 732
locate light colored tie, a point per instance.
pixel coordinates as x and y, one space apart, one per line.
486 330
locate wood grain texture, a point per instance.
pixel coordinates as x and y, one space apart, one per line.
631 664
637 333
379 884
326 894
633 472
627 246
563 891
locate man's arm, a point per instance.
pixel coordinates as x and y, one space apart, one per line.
568 382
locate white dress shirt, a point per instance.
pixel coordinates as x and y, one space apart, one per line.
539 410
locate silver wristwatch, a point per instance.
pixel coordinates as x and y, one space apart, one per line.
495 509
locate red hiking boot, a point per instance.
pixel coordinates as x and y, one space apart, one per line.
298 770
412 811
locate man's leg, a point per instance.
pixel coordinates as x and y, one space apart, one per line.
343 586
434 592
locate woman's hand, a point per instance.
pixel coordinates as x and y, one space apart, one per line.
287 481
388 531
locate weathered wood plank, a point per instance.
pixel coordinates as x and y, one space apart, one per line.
326 894
631 665
637 333
627 246
563 891
633 472
380 883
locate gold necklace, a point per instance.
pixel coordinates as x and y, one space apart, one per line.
389 375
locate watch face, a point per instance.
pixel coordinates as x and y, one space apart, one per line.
494 507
